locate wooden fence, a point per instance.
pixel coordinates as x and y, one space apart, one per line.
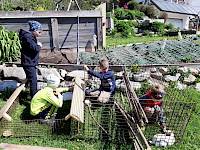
61 29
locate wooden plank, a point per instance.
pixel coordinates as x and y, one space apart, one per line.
49 14
3 112
77 105
7 146
54 27
74 26
99 34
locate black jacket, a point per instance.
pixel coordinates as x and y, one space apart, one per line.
30 49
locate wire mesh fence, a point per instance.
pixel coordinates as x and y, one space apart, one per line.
105 121
159 52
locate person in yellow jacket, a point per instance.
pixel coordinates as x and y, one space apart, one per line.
46 101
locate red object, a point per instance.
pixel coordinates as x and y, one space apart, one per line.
151 102
125 7
102 2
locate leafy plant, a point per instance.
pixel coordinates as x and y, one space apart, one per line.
130 15
138 14
183 75
157 26
169 26
120 14
187 59
10 45
173 70
133 5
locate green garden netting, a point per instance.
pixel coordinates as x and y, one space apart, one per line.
159 52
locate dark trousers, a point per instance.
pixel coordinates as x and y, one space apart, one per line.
32 78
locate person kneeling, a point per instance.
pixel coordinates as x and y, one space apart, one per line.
46 102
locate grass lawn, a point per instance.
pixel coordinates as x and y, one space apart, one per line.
112 41
190 141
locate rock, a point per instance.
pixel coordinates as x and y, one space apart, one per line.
14 72
190 79
163 70
183 70
119 75
120 84
63 73
135 85
197 86
11 84
153 82
181 86
157 75
77 73
153 70
193 71
169 78
44 72
141 77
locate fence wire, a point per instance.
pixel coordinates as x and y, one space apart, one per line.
174 51
178 107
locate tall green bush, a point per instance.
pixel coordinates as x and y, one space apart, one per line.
157 26
120 14
169 26
125 29
130 15
9 45
138 14
133 5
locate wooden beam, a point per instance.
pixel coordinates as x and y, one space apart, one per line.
55 36
99 34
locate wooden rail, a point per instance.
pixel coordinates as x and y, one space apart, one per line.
3 112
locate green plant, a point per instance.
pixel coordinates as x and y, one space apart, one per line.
130 15
169 26
124 28
10 45
147 32
139 15
182 76
120 14
187 59
173 70
133 5
150 11
157 26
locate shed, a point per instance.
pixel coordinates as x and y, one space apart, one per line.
73 30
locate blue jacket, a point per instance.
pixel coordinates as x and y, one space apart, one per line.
107 80
30 49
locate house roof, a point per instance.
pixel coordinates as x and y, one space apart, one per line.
173 7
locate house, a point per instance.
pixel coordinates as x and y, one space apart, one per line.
179 13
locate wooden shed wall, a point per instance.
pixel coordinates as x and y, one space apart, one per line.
59 30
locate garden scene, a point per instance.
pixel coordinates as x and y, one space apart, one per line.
142 46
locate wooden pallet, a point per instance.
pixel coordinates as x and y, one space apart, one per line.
77 105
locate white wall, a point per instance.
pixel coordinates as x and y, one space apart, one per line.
176 19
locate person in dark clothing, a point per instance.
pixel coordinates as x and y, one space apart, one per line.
107 87
153 105
30 53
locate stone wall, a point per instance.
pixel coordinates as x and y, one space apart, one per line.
12 76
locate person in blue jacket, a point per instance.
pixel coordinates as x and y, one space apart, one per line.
30 53
107 87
